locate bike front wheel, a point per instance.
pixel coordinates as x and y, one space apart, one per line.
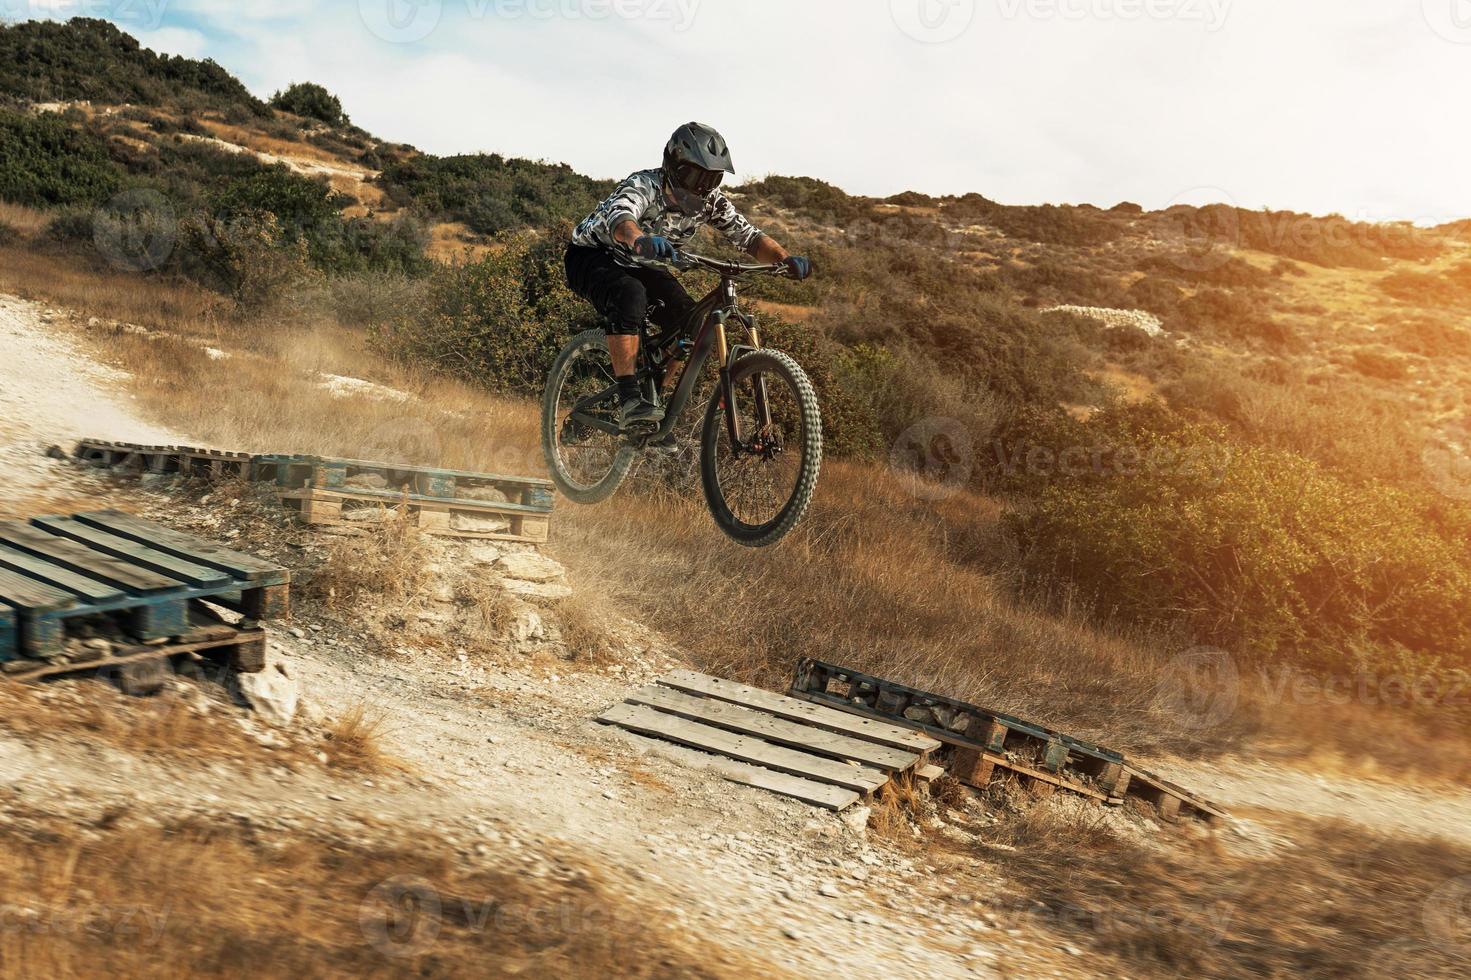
588 460
761 485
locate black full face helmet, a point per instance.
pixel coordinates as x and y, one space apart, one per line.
696 159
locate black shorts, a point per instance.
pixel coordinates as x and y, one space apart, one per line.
623 294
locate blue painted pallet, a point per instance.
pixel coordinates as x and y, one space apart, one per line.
143 575
183 460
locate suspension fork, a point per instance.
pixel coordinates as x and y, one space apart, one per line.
727 386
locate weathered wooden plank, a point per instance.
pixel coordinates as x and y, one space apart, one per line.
783 784
134 552
83 586
453 503
186 546
832 720
723 714
31 597
647 721
77 557
1161 787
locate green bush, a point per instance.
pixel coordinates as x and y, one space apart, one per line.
493 194
249 256
44 162
89 59
311 101
1249 548
498 322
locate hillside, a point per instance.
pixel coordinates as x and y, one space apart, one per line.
1070 447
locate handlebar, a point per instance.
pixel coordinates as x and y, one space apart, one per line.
689 260
684 261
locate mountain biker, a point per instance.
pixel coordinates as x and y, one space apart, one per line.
654 213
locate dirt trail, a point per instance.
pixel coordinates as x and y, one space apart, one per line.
52 394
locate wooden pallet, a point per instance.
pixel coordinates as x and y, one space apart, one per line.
328 473
823 757
986 745
185 461
435 515
59 571
143 669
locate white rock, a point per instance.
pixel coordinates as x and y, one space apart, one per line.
529 567
527 624
855 818
536 590
470 522
274 693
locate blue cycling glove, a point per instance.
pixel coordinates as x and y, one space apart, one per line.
799 265
654 247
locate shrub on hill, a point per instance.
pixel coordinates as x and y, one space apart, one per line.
809 196
44 162
498 321
89 59
493 194
311 101
1163 522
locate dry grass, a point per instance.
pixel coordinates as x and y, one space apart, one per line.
1339 901
164 725
200 900
21 219
387 568
354 742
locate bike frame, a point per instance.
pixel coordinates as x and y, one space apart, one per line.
719 307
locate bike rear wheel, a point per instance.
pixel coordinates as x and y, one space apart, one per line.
587 463
757 491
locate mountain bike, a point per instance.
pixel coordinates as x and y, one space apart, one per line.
761 439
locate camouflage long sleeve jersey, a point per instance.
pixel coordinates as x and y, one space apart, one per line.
640 199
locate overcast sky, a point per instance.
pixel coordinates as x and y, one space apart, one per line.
1354 106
